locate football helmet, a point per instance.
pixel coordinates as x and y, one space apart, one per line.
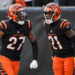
52 13
17 13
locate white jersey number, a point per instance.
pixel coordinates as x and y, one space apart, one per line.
14 41
53 40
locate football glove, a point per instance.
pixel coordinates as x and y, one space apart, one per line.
34 64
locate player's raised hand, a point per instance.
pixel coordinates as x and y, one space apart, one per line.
34 64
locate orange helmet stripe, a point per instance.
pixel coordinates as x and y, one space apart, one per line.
53 7
15 8
50 7
12 10
20 9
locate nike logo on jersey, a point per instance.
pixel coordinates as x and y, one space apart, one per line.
51 31
18 32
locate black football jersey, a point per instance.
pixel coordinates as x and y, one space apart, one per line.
59 42
14 38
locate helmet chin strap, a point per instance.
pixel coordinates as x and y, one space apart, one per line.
48 21
21 22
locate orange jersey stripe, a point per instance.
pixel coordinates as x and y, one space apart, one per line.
67 25
51 34
29 23
61 24
4 25
1 26
18 35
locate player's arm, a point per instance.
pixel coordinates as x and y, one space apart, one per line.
34 45
1 34
52 51
71 34
67 30
3 27
34 63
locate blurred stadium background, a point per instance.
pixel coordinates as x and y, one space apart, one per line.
35 14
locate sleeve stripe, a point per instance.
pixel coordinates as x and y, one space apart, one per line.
62 24
1 26
65 24
29 24
4 25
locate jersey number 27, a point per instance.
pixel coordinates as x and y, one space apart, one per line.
14 41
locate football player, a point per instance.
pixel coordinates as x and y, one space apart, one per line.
13 33
61 36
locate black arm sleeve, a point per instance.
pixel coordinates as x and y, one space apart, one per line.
35 50
73 39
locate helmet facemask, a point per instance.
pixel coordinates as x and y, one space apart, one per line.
54 12
20 17
48 15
